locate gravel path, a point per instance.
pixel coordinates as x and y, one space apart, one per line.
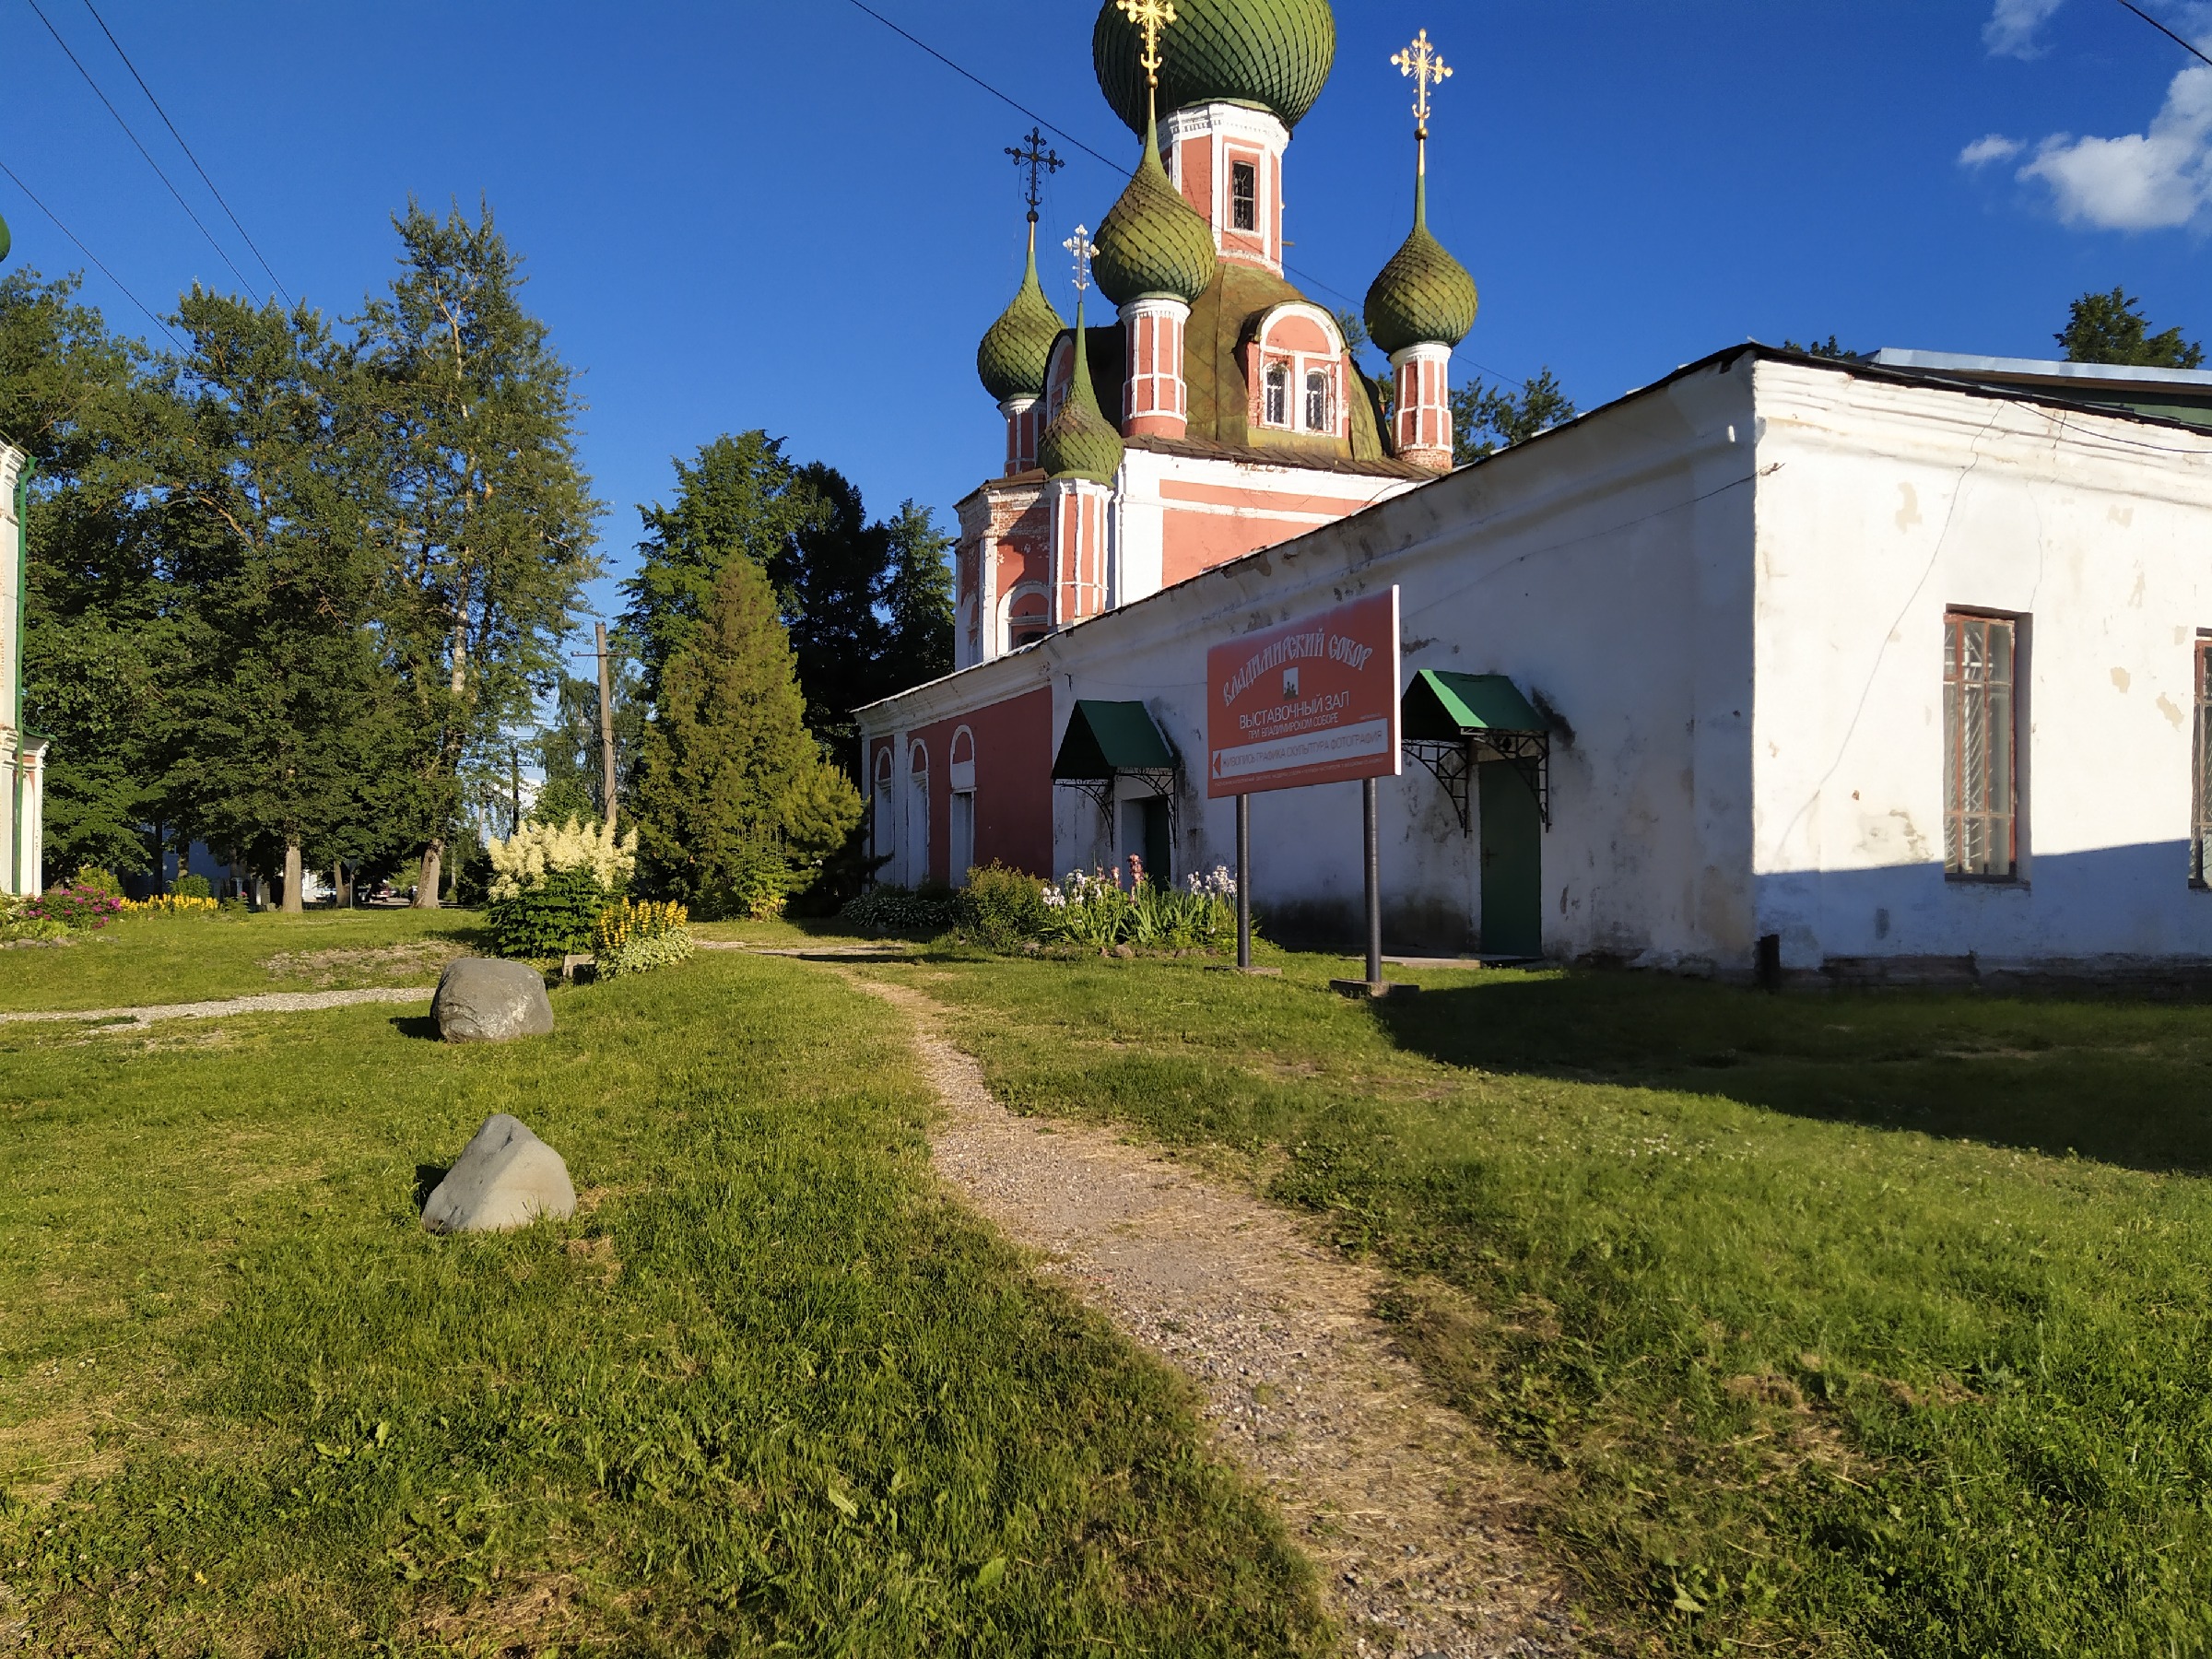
274 1002
1414 1522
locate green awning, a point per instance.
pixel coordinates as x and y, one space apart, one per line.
1104 738
1443 708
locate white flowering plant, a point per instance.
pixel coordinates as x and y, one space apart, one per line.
1094 909
536 853
550 882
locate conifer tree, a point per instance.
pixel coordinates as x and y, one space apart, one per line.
735 802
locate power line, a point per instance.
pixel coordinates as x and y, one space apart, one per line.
142 150
966 74
187 149
89 254
2169 33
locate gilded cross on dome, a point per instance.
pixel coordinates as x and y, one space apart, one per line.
1084 249
1150 16
1420 61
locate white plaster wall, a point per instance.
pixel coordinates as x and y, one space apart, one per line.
1878 506
1605 570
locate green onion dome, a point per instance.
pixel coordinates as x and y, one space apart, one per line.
1153 241
1424 296
1081 442
1014 354
1275 54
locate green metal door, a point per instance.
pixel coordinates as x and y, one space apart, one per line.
1158 843
1512 862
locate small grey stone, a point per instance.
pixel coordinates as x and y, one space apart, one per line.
483 1000
505 1178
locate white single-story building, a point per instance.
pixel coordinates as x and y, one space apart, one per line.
22 756
1823 666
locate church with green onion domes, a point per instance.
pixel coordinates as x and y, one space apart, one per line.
1200 407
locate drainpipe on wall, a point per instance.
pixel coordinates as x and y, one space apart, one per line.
22 614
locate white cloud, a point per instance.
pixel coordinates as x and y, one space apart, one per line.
1995 147
2155 181
2010 31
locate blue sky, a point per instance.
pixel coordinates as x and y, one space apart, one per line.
787 217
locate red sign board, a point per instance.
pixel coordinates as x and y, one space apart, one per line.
1313 702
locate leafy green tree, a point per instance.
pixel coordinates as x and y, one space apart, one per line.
1486 419
868 605
736 805
482 501
828 577
284 737
916 596
2110 328
74 398
739 495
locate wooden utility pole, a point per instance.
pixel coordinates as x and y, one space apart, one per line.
606 725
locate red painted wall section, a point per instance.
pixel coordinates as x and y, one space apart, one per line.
1013 784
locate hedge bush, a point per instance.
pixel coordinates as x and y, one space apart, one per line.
558 917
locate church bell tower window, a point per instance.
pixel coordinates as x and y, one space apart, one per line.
1318 413
1243 196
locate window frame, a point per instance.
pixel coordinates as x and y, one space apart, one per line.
1244 204
1275 381
1957 684
1320 390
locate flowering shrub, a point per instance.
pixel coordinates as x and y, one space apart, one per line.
897 910
98 880
170 904
526 860
74 907
637 939
558 917
1000 907
18 928
550 883
643 956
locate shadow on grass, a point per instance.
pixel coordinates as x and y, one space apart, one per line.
421 1026
427 1177
2124 1081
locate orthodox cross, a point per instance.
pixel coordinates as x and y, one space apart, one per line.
1082 247
1420 61
1150 16
1040 163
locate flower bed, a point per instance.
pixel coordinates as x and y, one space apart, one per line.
638 938
170 904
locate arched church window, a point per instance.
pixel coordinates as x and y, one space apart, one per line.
1320 418
1279 394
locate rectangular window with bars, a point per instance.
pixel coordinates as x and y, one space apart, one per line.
1981 824
2200 809
1243 196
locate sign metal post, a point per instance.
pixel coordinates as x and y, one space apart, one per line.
1244 884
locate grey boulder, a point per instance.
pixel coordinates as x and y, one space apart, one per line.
483 1000
506 1178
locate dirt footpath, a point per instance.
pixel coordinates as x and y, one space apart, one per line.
1412 1519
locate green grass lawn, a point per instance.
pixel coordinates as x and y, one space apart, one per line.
768 1392
1855 1325
139 961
